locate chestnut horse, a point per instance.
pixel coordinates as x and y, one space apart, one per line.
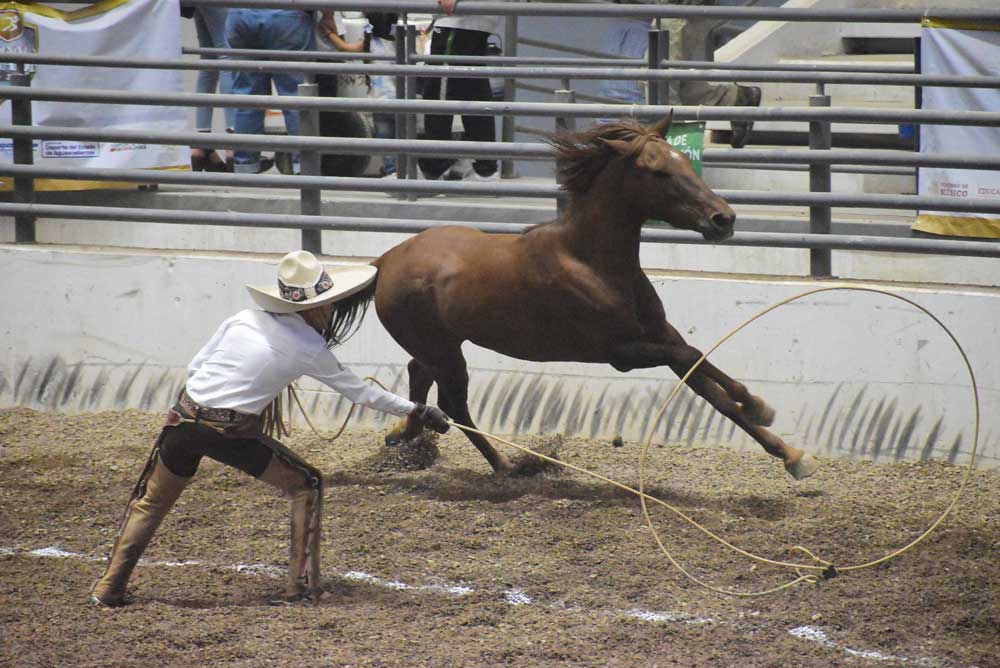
570 290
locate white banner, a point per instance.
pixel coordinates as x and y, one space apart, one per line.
959 49
133 29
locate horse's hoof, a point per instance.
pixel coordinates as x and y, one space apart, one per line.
802 467
760 414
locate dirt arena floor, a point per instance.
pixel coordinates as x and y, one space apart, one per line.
452 566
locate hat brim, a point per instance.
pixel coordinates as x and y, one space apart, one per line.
346 282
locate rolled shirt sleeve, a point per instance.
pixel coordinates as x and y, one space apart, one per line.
328 370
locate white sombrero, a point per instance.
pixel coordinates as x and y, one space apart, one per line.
303 284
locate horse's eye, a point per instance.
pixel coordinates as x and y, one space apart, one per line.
660 174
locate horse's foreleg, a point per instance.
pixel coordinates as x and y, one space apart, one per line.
753 408
643 355
680 358
453 398
421 380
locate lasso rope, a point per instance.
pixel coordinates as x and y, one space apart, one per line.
820 568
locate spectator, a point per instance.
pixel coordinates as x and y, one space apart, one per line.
277 29
688 39
460 36
210 25
379 40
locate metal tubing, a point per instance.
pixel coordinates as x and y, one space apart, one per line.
904 202
343 223
850 157
604 61
580 96
563 124
412 166
509 92
402 159
775 159
310 202
349 145
785 167
820 217
472 71
653 58
265 54
810 14
542 109
24 154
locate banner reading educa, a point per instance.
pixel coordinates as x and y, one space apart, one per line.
126 28
962 49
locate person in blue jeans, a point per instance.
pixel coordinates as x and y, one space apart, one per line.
277 29
210 25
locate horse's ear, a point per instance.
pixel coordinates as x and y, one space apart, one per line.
618 145
664 125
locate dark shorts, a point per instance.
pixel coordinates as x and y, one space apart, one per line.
183 446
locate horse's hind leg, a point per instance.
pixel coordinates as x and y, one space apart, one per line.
453 398
421 380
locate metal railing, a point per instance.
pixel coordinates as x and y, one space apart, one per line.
821 160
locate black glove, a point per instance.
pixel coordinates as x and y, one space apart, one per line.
432 417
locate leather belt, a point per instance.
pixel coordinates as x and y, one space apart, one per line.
199 412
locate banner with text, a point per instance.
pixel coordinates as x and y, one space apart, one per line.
959 49
133 29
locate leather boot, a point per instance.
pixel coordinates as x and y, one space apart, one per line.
304 486
142 517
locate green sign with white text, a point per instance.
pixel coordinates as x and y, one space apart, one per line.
689 138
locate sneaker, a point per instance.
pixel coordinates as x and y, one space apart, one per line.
476 176
459 170
421 174
250 168
746 96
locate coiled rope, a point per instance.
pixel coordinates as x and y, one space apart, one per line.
820 569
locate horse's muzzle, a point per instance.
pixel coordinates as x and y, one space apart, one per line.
719 227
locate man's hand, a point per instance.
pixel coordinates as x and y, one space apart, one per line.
431 416
448 6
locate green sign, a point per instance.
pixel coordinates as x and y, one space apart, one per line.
688 138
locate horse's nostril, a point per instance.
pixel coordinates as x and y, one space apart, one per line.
723 219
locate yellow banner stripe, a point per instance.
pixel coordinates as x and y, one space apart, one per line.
930 22
64 185
59 15
958 226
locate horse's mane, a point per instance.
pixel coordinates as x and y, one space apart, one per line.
582 155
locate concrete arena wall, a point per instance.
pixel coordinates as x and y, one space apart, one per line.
851 374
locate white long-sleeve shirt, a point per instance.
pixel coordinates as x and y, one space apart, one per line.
254 355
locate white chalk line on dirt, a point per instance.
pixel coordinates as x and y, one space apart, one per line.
513 596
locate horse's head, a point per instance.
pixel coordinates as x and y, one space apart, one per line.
658 181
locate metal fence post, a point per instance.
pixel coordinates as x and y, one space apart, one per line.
402 83
563 124
310 203
411 94
653 58
24 154
509 95
820 137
